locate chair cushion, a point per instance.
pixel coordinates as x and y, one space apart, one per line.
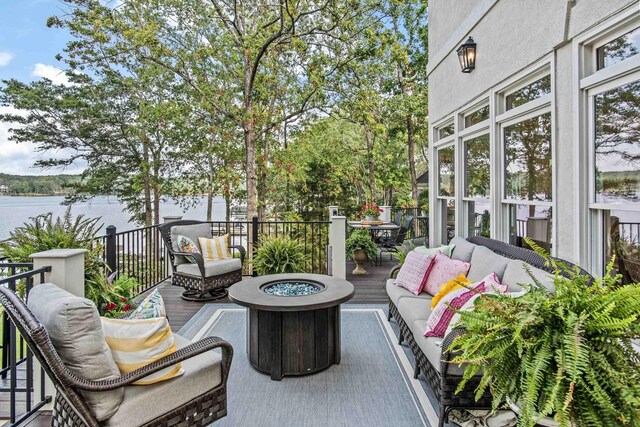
143 404
414 308
463 249
396 292
485 261
73 324
432 348
447 250
215 248
187 245
515 275
192 232
443 270
211 268
414 272
135 343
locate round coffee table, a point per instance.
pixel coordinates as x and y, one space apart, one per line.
292 335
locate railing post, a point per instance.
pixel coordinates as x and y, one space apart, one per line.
385 215
111 249
337 233
67 272
254 240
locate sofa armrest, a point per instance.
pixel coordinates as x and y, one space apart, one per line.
394 272
447 354
242 251
192 350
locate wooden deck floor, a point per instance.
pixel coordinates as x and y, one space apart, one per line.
369 290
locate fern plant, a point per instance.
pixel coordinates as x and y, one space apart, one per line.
281 254
566 354
361 240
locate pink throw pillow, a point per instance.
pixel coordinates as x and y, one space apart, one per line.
443 313
414 272
443 270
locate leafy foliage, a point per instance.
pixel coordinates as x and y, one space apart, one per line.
280 254
44 233
361 239
566 354
119 297
403 251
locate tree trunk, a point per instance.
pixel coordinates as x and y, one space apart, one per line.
372 166
148 217
262 182
210 189
250 139
156 192
412 160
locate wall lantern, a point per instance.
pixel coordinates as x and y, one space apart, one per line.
467 55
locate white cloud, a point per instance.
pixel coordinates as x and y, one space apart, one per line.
5 58
56 75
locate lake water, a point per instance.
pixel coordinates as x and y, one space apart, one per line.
16 210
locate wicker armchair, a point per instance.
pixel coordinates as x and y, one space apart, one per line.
70 408
203 280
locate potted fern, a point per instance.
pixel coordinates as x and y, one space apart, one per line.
567 356
360 247
280 254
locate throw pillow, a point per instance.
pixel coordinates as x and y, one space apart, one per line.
444 269
450 286
135 343
215 248
187 245
443 313
414 272
445 249
152 306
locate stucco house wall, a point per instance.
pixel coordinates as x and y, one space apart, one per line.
511 35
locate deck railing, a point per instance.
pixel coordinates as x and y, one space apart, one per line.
17 370
141 254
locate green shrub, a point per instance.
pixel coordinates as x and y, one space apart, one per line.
44 233
281 254
118 298
403 251
361 239
566 354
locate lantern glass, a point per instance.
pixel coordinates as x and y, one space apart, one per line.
467 56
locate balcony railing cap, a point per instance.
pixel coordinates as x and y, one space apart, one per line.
58 253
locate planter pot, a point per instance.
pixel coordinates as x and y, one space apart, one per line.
370 218
359 257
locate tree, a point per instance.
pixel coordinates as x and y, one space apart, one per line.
232 54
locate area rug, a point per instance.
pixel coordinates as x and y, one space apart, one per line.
372 386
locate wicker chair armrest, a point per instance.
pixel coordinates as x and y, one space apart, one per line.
192 350
240 249
447 354
194 255
394 272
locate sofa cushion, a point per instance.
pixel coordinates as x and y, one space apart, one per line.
414 308
445 249
432 348
462 250
396 292
73 324
192 232
515 275
143 404
212 268
485 261
443 270
414 272
452 285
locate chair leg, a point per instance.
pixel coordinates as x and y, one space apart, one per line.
401 339
388 315
443 416
416 371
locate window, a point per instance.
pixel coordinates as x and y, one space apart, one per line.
446 131
529 92
527 151
617 145
530 221
446 165
477 185
478 116
619 49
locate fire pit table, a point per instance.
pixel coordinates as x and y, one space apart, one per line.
293 321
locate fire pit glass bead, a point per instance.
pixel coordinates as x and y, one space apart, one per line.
292 289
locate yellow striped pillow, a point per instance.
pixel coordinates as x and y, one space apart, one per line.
135 343
216 248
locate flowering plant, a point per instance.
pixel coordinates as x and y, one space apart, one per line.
117 307
118 298
370 210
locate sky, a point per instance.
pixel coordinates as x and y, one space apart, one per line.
27 52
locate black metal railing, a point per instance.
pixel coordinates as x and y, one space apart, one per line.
630 232
17 370
140 253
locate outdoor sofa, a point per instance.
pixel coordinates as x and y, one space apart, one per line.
411 313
